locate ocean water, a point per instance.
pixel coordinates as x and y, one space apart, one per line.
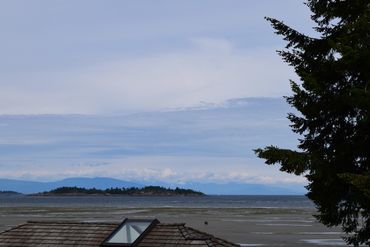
284 221
160 201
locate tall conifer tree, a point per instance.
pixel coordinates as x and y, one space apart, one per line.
332 101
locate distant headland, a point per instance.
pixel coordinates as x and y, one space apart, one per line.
27 187
132 191
8 193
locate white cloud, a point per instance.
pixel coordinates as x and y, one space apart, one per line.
211 70
171 169
188 145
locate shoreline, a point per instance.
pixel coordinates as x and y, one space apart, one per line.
286 227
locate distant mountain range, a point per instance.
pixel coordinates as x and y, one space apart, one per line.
28 187
247 189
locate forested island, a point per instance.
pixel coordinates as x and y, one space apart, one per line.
132 191
8 193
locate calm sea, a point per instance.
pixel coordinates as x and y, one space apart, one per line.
161 201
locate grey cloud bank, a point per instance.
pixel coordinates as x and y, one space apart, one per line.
212 71
93 57
210 144
93 88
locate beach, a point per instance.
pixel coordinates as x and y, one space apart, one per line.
248 226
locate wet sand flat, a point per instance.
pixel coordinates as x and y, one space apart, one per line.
246 226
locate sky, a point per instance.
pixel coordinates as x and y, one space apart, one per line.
157 90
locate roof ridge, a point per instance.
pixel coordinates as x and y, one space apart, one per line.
188 234
69 222
171 224
13 228
206 235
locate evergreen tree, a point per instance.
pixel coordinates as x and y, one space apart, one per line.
332 101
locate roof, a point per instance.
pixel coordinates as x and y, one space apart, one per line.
38 233
86 234
180 235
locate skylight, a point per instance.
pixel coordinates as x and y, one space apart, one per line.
129 232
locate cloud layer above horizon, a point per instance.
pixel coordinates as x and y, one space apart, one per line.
162 90
93 57
208 144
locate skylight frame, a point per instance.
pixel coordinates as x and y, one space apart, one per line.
152 224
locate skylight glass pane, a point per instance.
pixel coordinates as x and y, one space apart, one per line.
129 232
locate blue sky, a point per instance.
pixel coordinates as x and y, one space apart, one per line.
154 86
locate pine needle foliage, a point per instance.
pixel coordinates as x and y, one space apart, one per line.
332 102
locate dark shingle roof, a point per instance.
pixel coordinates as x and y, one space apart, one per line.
180 235
42 234
58 233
